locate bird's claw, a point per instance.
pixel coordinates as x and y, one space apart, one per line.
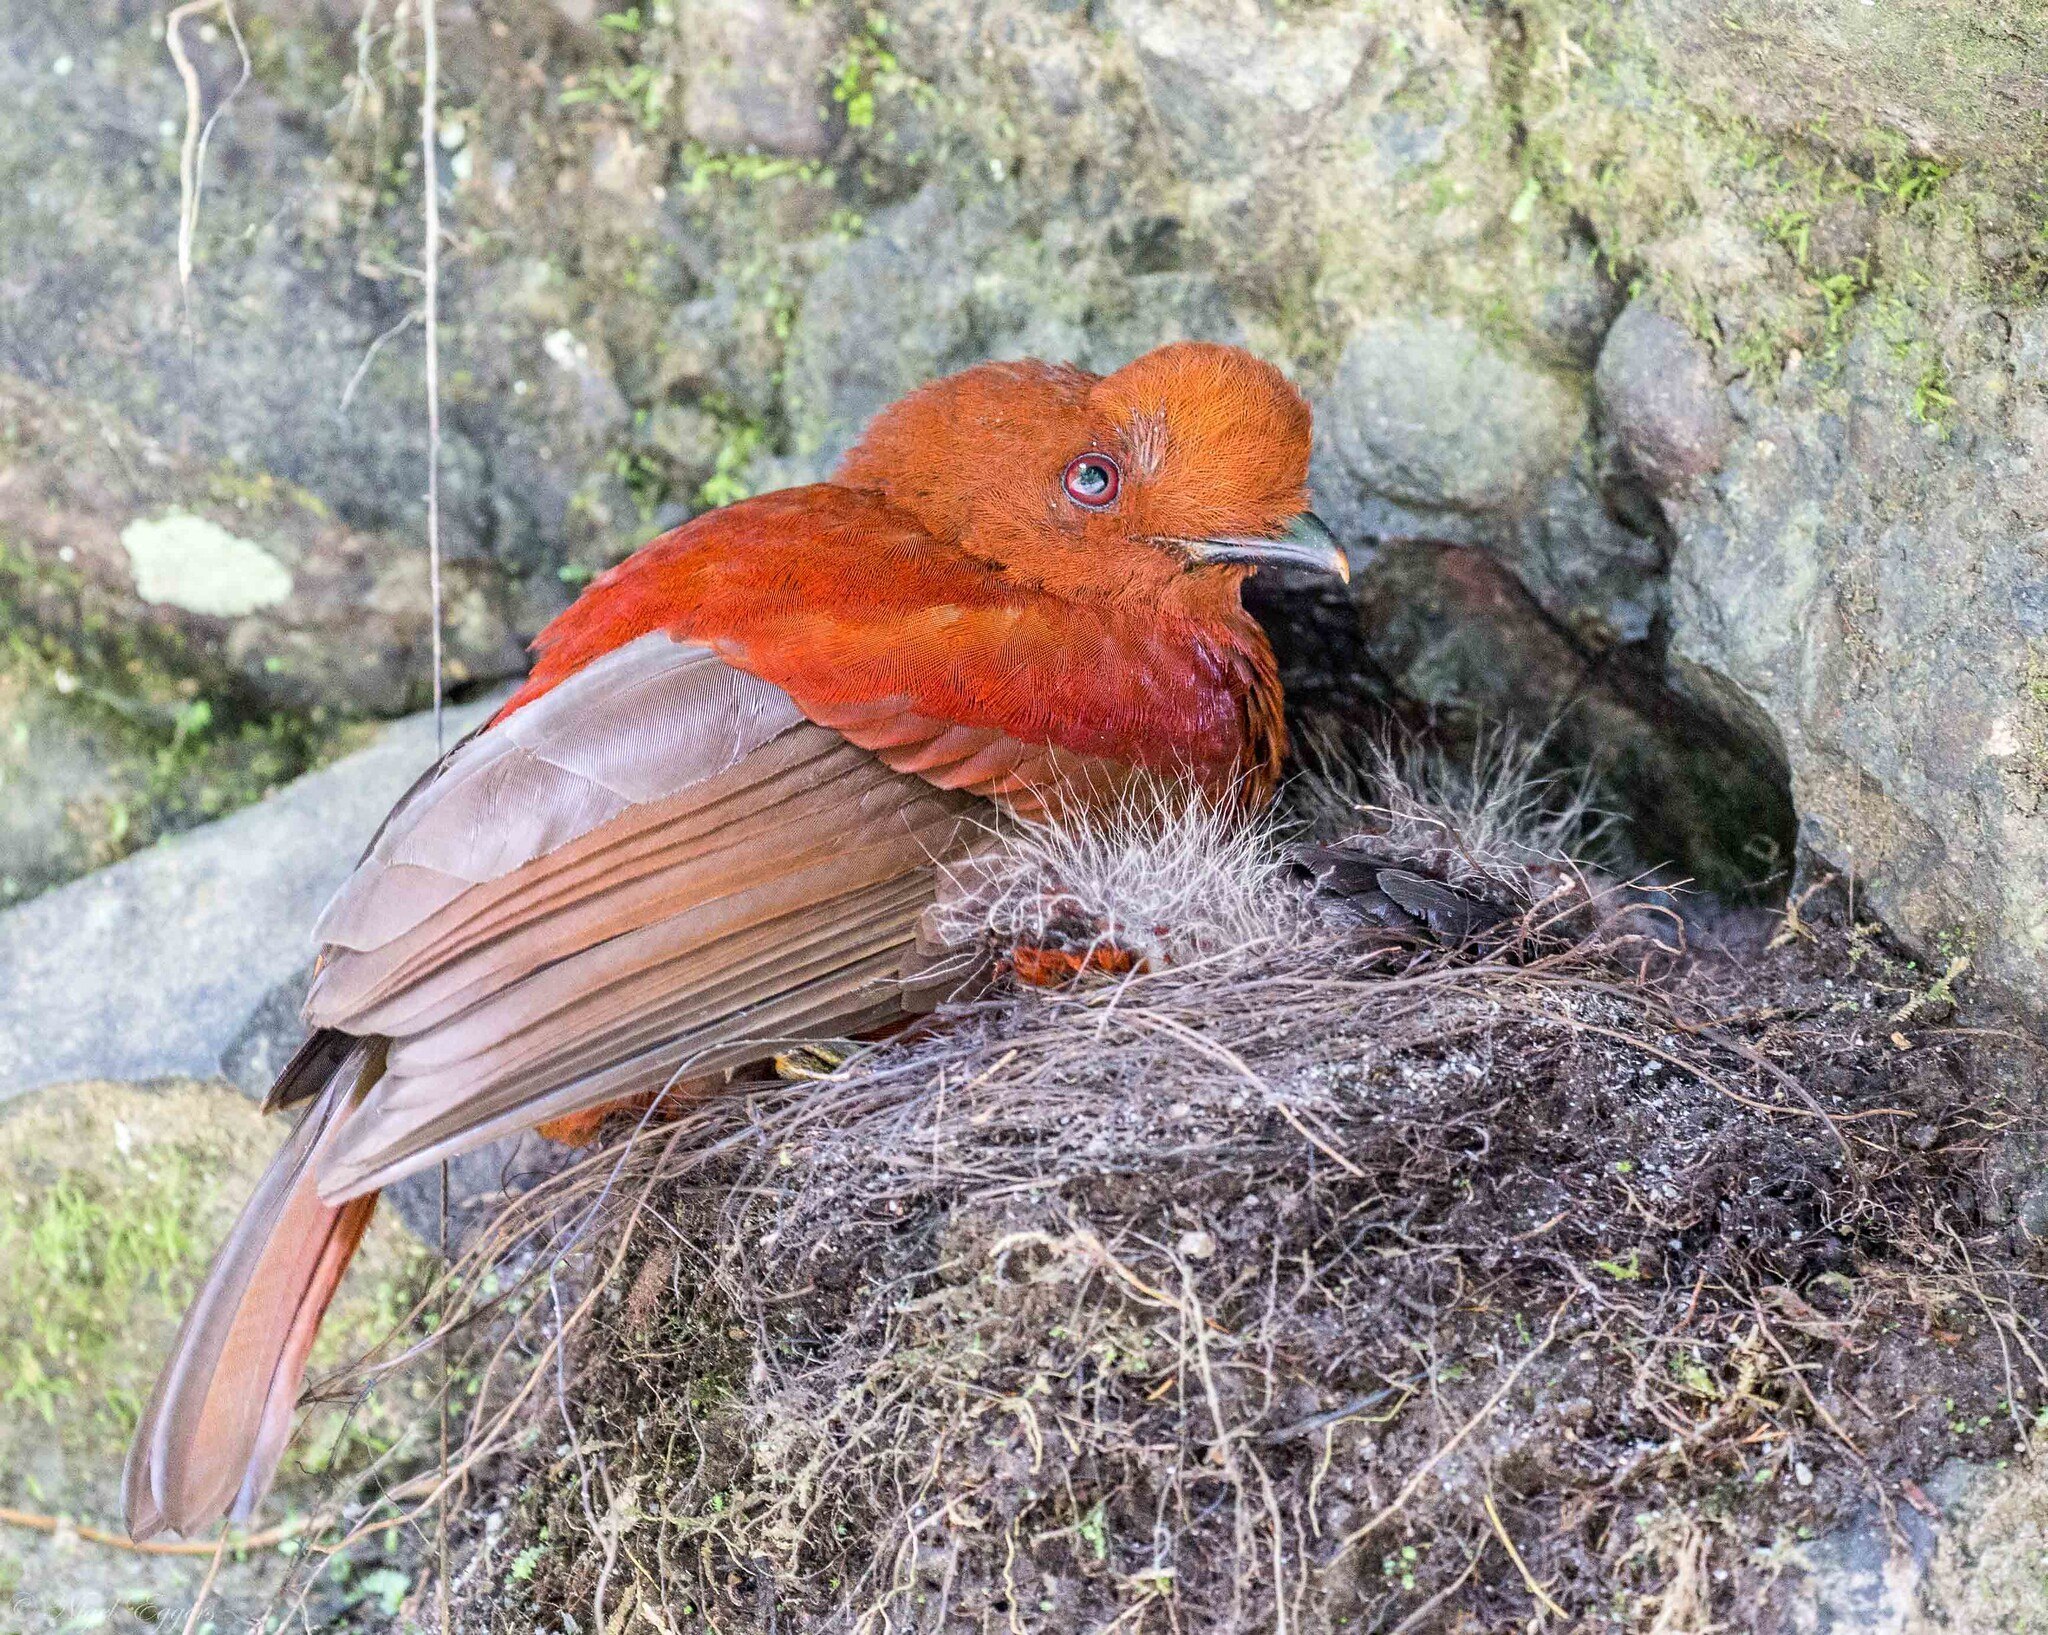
802 1063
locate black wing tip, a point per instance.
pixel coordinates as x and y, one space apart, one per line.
312 1065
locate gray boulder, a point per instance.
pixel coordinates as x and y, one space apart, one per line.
1659 395
1236 87
187 960
1869 588
1596 574
1431 431
755 75
1426 414
937 284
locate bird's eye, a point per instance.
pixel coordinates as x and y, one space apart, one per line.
1092 480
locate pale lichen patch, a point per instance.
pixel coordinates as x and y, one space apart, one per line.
193 563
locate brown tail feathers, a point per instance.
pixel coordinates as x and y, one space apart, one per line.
220 1416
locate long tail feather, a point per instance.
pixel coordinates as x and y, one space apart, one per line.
217 1423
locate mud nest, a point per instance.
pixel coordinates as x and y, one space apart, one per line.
1329 1278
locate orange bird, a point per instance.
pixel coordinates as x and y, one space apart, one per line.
708 824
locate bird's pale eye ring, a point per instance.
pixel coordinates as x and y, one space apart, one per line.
1092 480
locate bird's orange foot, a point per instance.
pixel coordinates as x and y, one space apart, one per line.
1039 966
580 1129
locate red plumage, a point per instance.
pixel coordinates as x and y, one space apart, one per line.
715 815
873 627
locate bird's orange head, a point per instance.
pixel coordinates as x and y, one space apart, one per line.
1190 461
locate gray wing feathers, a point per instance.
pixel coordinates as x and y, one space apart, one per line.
553 772
653 868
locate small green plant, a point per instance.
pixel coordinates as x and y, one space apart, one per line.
1793 229
1908 181
1094 1531
193 719
741 438
1399 1567
634 88
1933 397
643 476
1693 1376
1939 995
386 1586
1839 293
1759 352
865 64
1623 1269
703 168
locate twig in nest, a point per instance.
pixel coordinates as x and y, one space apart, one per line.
1398 1502
1336 1416
1508 1544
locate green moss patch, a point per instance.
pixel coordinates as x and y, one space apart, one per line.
112 1199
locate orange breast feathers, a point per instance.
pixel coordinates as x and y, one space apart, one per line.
926 655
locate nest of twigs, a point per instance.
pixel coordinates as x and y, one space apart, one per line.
1323 1278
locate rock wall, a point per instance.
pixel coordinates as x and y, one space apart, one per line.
1677 367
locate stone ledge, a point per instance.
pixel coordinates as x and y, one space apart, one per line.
170 963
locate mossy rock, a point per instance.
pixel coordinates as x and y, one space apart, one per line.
112 1198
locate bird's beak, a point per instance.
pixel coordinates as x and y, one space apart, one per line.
1308 543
